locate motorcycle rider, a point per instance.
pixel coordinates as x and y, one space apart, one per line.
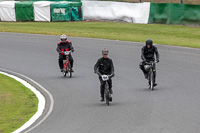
148 53
104 65
62 46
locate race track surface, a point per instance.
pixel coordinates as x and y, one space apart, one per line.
173 107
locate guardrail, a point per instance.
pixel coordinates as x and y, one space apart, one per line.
181 1
196 2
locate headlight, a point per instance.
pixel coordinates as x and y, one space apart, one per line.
147 67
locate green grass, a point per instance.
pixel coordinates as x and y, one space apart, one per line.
160 34
17 104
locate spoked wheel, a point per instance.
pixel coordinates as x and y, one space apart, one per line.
64 72
107 94
151 81
107 99
70 70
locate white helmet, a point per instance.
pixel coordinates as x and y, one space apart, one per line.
105 51
63 38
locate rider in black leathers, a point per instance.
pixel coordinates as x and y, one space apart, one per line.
105 66
64 45
148 54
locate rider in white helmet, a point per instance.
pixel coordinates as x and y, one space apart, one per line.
105 66
64 45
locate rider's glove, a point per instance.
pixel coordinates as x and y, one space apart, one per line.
157 60
110 76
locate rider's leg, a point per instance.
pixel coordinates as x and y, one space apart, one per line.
71 60
143 70
110 86
154 71
60 62
102 89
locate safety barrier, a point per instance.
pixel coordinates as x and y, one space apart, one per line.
40 11
165 13
116 11
179 14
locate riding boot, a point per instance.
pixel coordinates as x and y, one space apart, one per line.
102 99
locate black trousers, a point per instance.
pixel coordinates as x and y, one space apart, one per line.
63 57
141 65
102 89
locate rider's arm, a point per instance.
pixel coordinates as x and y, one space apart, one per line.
112 69
157 54
58 49
71 47
96 67
142 54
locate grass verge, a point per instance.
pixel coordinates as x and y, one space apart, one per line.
160 34
17 104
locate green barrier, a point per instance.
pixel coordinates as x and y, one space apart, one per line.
60 12
51 0
75 16
169 13
24 11
76 10
66 11
76 13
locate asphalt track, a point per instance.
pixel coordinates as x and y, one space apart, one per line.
173 107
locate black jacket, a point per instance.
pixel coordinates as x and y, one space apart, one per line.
64 46
104 66
148 53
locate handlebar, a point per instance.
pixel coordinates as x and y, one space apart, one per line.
110 76
67 52
150 62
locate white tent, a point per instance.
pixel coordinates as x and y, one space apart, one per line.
7 10
42 11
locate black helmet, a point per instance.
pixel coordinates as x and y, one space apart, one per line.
149 42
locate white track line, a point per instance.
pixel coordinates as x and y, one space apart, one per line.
41 102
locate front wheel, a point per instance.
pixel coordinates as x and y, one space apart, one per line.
69 70
107 94
64 72
151 80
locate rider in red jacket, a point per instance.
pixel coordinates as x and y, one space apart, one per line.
64 45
